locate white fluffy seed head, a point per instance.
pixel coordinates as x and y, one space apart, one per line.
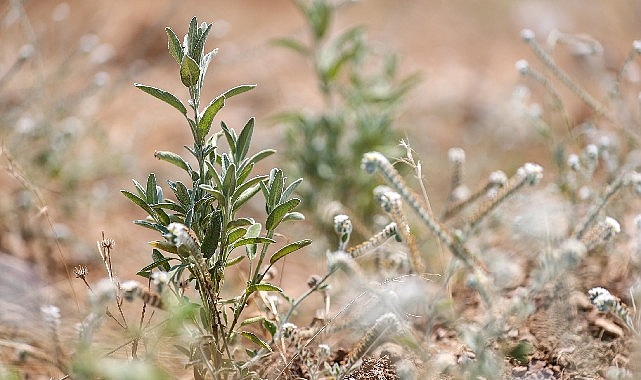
527 35
592 151
456 155
342 224
612 225
522 66
288 329
574 162
371 160
532 172
601 298
636 45
129 286
498 178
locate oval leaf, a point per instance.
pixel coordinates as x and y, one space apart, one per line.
189 72
244 140
207 117
264 287
277 215
256 340
238 90
234 261
138 201
289 248
252 240
294 216
165 96
174 159
173 44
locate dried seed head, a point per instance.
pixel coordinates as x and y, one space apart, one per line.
527 35
313 280
289 329
522 66
456 155
324 351
80 271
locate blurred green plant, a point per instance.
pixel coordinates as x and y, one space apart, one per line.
361 96
203 232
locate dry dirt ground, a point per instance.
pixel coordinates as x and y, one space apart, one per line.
77 82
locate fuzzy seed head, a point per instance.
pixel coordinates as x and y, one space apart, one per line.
592 152
387 199
498 178
342 224
289 329
522 66
612 225
371 160
527 35
532 173
636 45
460 193
129 289
160 279
456 155
601 298
324 350
574 162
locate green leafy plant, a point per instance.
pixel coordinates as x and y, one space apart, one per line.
361 95
204 234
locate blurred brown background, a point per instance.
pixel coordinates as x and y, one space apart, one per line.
81 58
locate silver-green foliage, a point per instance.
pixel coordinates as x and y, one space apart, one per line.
204 235
361 92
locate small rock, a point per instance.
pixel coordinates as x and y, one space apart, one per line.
519 371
